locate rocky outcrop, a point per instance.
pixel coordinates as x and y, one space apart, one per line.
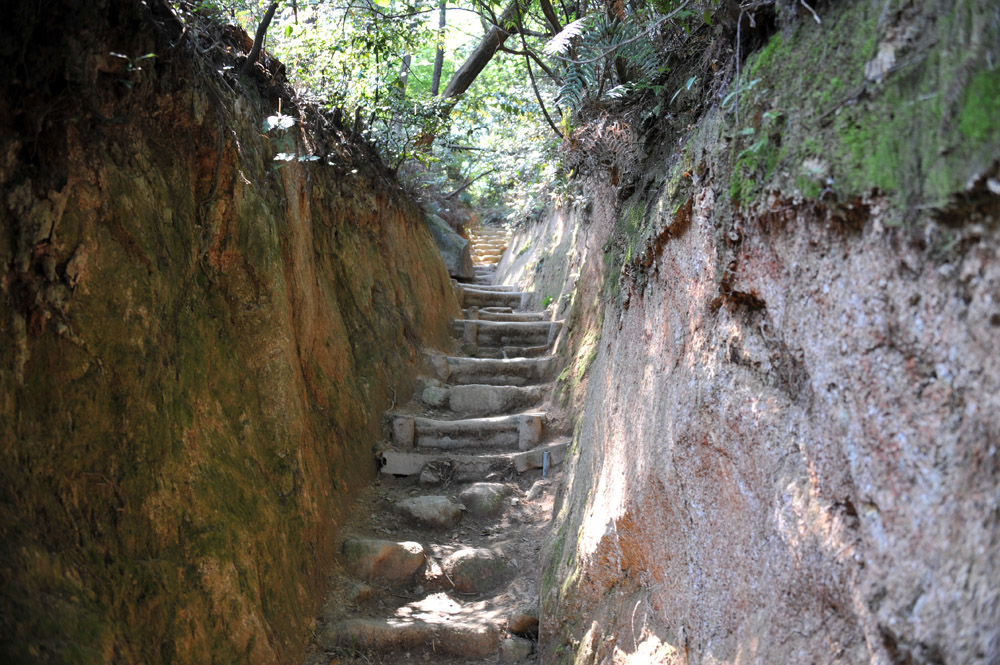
785 387
196 343
454 248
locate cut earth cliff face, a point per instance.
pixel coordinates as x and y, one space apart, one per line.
196 346
785 400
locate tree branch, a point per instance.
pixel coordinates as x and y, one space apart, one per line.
531 54
531 76
465 185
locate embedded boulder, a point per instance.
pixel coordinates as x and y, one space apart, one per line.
382 559
484 499
454 248
439 512
476 570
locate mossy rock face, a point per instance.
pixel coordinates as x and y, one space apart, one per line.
901 103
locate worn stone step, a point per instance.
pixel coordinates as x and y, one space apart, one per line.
512 351
478 297
494 288
465 468
459 370
422 632
482 400
485 314
522 431
506 333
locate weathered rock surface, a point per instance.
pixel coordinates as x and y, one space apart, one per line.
373 559
479 400
439 512
453 247
789 422
484 499
524 623
515 649
476 570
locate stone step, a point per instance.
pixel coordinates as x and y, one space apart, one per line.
496 334
458 370
459 635
522 431
487 315
472 468
478 297
492 288
512 351
481 400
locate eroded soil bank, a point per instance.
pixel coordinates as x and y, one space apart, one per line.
785 385
197 342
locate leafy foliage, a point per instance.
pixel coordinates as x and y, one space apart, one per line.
607 50
376 57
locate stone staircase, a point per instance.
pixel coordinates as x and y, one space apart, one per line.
488 245
439 559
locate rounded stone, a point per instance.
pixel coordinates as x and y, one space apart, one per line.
439 512
524 622
369 558
428 478
434 396
476 570
484 499
515 649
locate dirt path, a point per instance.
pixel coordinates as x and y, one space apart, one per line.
439 559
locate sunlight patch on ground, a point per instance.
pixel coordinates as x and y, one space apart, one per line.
650 650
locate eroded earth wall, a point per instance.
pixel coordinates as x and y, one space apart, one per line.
785 380
196 342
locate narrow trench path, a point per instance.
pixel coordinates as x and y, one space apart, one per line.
439 558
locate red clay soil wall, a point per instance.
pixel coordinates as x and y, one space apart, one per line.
196 344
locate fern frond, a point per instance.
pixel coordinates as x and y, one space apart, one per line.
560 44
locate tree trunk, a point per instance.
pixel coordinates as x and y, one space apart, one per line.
550 16
439 52
483 53
404 72
258 40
